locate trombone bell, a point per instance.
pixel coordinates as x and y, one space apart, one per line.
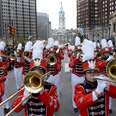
33 82
111 69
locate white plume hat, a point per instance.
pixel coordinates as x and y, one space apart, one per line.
56 43
39 44
19 47
110 44
77 41
104 43
28 46
88 50
2 45
37 54
50 43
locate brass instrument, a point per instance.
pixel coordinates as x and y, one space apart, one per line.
111 71
27 54
33 83
52 59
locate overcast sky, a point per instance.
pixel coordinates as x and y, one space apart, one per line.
51 7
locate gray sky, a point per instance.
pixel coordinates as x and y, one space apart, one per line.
51 7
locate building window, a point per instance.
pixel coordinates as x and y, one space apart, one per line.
114 27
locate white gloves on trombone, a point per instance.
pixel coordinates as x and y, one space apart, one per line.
100 88
25 96
101 84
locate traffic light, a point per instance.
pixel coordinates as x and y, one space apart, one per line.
11 30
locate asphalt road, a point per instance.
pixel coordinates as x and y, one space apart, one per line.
65 98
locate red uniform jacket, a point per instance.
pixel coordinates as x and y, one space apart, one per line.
57 66
76 66
84 100
4 68
49 99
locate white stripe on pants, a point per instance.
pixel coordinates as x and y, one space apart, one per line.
18 77
110 103
74 81
6 105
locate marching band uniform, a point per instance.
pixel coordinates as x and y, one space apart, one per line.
88 103
56 67
43 103
18 67
4 66
77 75
92 97
107 55
27 57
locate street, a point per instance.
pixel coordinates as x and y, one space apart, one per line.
66 108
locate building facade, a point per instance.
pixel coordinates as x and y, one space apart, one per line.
43 25
94 15
20 14
113 26
87 13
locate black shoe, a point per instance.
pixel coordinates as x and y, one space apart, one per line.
6 110
75 110
110 111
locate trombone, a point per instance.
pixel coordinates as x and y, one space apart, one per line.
33 83
111 71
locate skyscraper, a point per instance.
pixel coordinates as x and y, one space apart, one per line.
94 16
21 14
43 25
87 13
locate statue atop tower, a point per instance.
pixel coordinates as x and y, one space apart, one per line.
61 18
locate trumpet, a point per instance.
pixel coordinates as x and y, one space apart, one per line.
52 59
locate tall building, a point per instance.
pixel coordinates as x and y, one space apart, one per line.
61 18
43 25
93 15
87 13
21 14
106 8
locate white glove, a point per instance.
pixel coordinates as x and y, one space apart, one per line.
26 95
110 58
101 86
57 51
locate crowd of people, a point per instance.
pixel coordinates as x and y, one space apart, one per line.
37 70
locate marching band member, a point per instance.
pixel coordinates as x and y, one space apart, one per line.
4 66
18 66
107 55
70 49
43 102
77 75
92 97
27 57
54 66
